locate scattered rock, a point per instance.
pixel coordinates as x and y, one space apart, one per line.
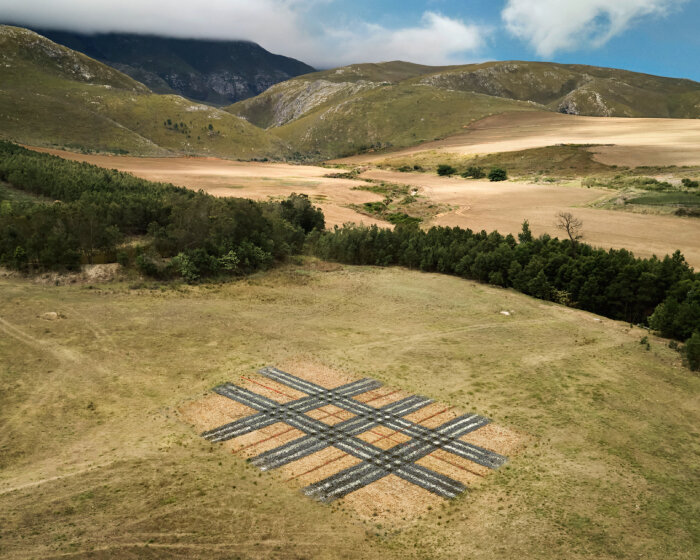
50 316
506 313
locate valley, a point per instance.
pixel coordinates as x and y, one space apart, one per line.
388 310
667 146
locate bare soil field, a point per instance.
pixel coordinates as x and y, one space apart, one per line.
256 180
503 206
396 501
99 458
626 142
476 204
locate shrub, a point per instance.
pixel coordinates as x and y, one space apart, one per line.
692 351
690 184
404 219
445 170
185 268
148 265
498 174
474 172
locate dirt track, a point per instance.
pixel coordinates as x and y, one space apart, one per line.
628 142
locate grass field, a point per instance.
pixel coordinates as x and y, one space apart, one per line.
96 463
617 141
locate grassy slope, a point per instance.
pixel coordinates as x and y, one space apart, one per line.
588 89
53 96
389 116
342 111
106 468
553 161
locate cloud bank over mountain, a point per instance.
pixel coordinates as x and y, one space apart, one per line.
328 33
283 26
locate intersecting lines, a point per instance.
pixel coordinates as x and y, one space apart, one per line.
375 462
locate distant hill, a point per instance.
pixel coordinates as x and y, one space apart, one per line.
216 72
53 96
396 104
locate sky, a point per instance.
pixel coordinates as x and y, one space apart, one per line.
654 36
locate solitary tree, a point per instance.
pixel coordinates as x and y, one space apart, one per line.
573 227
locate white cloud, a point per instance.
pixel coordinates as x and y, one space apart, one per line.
288 27
555 25
438 40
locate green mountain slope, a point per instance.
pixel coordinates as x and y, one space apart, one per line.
218 72
290 100
341 111
576 89
366 106
53 96
397 115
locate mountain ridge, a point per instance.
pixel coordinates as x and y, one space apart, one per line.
56 97
361 107
217 72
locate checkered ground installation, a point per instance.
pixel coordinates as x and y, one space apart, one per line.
371 462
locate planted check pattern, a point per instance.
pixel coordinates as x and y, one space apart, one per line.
376 463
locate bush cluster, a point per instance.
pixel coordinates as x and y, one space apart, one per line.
90 212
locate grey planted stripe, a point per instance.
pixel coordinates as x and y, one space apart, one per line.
476 454
272 411
431 480
321 438
344 482
376 462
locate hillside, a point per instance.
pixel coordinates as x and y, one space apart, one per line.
397 104
97 462
54 96
577 89
217 72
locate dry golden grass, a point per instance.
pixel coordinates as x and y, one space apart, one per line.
627 142
503 207
96 461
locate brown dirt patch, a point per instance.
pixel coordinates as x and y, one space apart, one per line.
391 499
504 206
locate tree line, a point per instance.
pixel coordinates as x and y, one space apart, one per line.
662 293
86 212
82 212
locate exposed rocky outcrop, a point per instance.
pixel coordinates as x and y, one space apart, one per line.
218 72
291 100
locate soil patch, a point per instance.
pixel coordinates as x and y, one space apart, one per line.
326 470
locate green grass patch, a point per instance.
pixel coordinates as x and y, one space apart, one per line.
667 199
